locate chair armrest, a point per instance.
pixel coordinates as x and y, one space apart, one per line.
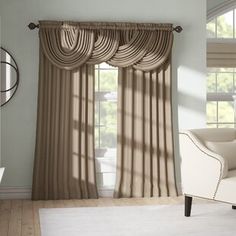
201 169
208 153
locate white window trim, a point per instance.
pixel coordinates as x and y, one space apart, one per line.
211 15
220 9
222 97
221 40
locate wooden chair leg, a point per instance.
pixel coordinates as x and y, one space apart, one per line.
234 207
188 206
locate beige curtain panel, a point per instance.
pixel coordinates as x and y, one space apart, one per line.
64 156
145 165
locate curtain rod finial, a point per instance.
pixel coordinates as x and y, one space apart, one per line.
178 29
32 26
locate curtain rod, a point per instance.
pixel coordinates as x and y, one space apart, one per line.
33 26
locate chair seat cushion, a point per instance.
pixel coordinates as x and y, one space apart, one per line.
225 149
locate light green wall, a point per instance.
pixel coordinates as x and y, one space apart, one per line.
19 116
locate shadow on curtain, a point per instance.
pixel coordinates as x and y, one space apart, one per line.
64 155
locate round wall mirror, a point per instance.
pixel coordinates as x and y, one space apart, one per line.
9 76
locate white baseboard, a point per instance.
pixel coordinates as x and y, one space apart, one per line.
25 193
15 193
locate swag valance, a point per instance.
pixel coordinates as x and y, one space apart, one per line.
69 45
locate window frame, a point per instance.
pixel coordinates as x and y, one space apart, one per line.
220 9
222 96
214 18
104 155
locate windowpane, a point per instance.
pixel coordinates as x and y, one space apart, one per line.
96 80
211 125
225 25
106 180
211 82
226 126
221 110
108 137
211 29
108 113
219 69
96 137
108 80
105 121
211 112
106 66
224 69
225 112
97 113
225 82
235 23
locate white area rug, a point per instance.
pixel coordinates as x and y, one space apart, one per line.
206 220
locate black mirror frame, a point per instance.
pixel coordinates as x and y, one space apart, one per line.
17 76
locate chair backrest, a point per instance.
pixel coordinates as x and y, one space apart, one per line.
215 134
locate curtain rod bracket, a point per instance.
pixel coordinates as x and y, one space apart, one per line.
178 29
32 26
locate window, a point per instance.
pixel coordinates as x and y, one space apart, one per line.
221 87
223 26
221 74
106 78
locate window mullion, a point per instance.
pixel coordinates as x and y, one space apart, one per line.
216 27
217 111
99 110
234 23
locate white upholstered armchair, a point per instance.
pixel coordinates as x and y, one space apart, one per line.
1 173
208 167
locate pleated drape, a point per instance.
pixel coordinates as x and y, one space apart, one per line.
64 156
145 158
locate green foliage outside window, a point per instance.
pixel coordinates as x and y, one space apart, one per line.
221 81
106 110
221 26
